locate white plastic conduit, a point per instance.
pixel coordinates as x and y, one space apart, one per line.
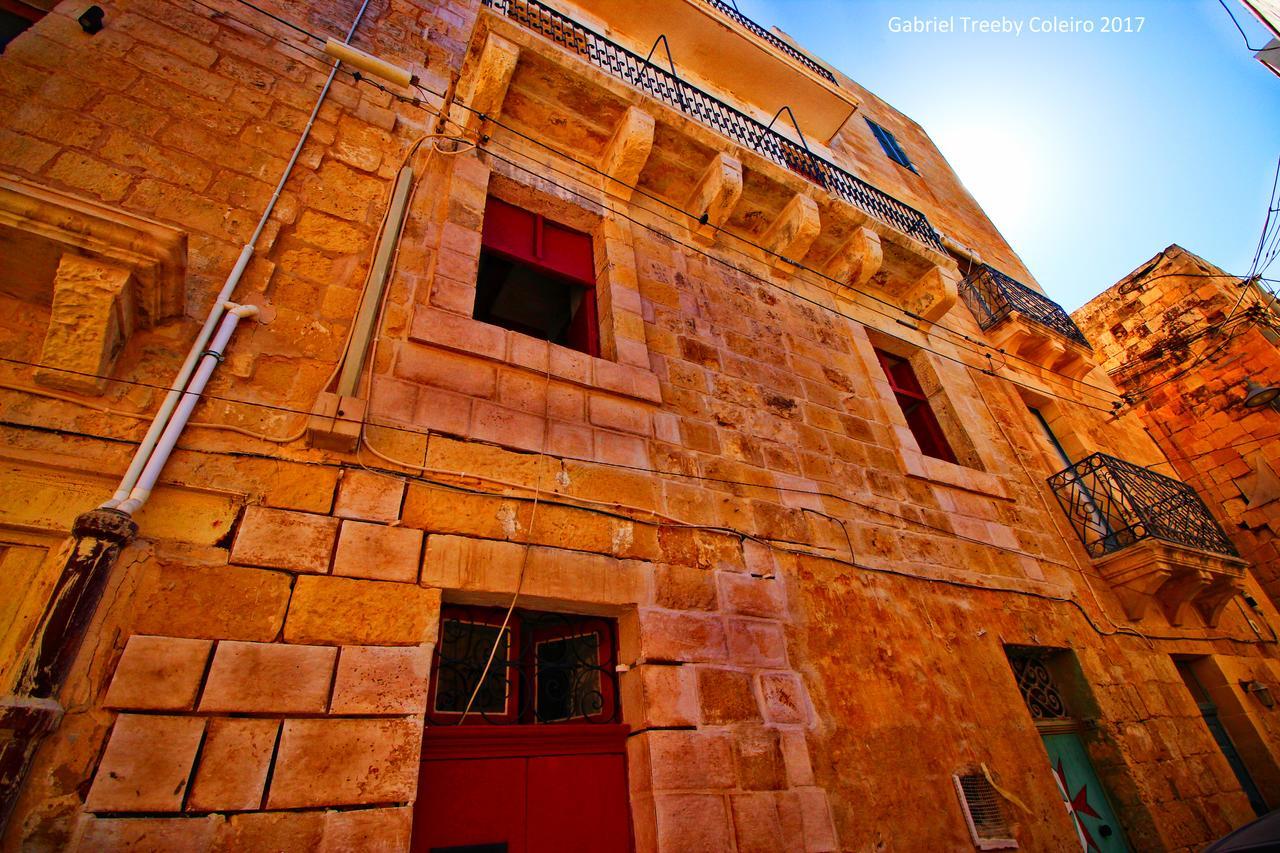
148 455
206 364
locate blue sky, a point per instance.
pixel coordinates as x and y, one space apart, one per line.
1090 152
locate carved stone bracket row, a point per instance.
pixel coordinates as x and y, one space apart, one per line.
787 238
1174 578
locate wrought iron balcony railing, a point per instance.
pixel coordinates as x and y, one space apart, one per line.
992 296
730 10
1113 504
742 129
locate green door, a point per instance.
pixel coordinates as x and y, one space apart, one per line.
1085 799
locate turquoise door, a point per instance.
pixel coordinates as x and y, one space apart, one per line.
1086 801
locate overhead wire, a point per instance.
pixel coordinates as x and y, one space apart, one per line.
537 489
957 334
1119 400
1239 28
563 458
741 535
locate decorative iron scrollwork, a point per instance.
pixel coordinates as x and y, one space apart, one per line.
1038 690
546 668
1112 504
991 296
742 129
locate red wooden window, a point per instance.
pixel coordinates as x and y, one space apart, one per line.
548 668
915 407
537 277
467 636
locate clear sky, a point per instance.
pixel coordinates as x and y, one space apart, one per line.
1091 152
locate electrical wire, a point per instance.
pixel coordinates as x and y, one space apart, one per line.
1115 404
956 334
1238 27
1122 398
547 376
745 484
519 166
773 545
592 167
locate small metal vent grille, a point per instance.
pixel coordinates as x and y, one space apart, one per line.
982 811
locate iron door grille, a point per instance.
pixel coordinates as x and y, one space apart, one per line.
982 812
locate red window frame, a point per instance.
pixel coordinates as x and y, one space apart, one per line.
481 616
604 648
553 249
520 666
911 398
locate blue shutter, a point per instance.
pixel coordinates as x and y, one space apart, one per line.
890 145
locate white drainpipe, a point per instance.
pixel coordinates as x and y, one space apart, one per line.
206 364
153 452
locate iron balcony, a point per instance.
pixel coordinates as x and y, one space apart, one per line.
731 11
992 296
1113 504
739 127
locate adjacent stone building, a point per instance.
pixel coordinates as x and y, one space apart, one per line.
582 440
1190 343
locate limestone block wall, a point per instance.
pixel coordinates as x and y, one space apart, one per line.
812 613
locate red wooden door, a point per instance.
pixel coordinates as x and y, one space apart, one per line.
523 789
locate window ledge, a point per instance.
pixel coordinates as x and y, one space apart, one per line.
927 468
473 337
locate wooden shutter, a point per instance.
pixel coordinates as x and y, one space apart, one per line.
530 238
889 143
911 398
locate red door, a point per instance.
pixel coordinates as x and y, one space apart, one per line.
523 789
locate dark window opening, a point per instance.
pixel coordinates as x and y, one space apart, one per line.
546 668
891 147
911 398
15 19
537 277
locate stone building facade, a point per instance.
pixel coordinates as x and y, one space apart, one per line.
1185 340
597 464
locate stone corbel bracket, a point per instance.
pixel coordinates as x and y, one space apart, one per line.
715 195
102 272
627 152
789 237
485 89
1173 578
932 295
860 258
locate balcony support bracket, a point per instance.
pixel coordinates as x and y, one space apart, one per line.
1153 575
487 88
715 196
933 294
858 259
627 152
793 232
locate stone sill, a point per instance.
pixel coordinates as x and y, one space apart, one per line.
475 338
922 467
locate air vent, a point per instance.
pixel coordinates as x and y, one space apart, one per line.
982 812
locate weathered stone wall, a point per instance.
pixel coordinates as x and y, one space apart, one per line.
1190 388
812 612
